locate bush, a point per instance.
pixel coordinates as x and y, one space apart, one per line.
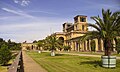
5 54
66 48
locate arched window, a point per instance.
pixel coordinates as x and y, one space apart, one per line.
62 39
82 20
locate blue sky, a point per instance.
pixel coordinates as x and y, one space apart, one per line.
30 20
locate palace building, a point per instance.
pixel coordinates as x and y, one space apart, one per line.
73 31
71 35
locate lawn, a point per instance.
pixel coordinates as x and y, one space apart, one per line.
3 68
69 63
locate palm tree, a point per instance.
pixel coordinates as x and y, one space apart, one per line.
53 43
40 44
107 29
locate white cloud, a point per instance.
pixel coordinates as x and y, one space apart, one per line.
28 31
52 13
16 1
25 2
22 2
17 12
4 18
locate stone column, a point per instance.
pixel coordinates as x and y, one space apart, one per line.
102 47
78 47
81 47
114 45
72 45
89 45
96 44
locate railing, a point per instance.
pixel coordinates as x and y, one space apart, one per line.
17 65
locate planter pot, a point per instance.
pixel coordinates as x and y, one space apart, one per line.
52 53
108 61
39 51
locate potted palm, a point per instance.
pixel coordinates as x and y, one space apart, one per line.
53 43
40 45
107 29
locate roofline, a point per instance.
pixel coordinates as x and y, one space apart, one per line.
80 16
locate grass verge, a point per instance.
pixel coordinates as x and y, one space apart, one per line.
69 63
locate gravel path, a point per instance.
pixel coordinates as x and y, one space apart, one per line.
85 55
30 65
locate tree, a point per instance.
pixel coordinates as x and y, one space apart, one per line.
107 28
5 55
40 45
9 41
13 45
2 42
53 43
34 41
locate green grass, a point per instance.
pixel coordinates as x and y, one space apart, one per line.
69 63
3 69
118 55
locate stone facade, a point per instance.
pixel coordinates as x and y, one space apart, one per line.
29 46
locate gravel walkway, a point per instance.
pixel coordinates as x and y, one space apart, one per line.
30 65
85 55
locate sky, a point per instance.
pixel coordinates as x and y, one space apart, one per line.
29 20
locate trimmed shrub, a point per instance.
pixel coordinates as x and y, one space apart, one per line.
5 54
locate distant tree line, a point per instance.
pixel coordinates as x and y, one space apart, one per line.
11 45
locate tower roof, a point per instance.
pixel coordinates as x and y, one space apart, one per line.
80 16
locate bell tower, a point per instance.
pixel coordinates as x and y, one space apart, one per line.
80 23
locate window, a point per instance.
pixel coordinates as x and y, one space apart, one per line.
76 20
82 20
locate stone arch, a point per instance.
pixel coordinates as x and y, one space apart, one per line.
32 47
62 39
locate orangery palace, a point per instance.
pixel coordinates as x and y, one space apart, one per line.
71 36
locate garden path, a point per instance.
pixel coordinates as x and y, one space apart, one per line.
30 65
83 54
